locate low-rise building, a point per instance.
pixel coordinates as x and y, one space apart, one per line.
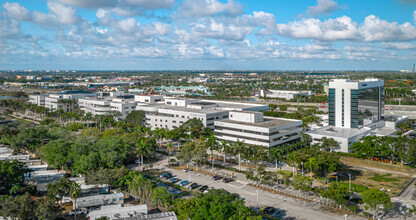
99 200
137 212
255 129
344 136
283 94
173 112
66 100
105 104
38 99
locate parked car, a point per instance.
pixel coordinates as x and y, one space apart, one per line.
268 210
216 177
184 183
187 170
166 175
194 186
78 212
227 180
174 180
203 188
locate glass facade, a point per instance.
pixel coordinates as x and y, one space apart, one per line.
331 106
370 105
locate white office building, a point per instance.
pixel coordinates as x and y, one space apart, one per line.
107 103
169 113
38 99
354 104
355 111
255 129
283 94
65 100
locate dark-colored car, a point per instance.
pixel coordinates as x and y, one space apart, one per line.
166 175
203 188
194 186
174 180
227 180
216 177
268 210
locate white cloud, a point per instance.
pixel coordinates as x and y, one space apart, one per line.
323 7
128 25
64 14
151 4
375 29
16 11
341 28
414 16
398 45
202 8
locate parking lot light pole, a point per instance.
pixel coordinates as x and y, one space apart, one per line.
302 168
257 201
350 181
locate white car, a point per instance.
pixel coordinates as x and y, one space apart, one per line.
78 212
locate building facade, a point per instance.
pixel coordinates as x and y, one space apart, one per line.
354 104
255 129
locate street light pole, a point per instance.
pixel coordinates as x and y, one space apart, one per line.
302 167
350 180
257 201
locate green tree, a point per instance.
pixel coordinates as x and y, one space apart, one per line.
141 150
376 200
337 193
237 148
48 209
135 118
193 127
20 207
57 190
211 144
56 153
329 144
312 165
13 173
75 192
161 197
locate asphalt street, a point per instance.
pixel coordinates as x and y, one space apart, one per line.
290 208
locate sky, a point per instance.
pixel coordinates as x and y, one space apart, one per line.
207 34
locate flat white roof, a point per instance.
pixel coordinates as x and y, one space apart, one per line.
332 131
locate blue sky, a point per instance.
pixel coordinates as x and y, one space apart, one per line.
208 34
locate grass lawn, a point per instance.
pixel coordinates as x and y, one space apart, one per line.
351 161
378 175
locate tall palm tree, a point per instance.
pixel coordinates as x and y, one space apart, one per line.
224 147
212 143
312 164
75 192
237 148
275 154
142 149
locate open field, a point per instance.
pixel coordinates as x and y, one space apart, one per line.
372 174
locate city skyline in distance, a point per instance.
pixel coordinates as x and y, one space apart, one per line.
207 35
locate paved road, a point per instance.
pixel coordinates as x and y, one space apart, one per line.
408 195
296 209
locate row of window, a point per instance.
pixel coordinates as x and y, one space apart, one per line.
285 137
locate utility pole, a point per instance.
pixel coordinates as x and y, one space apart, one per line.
257 201
350 180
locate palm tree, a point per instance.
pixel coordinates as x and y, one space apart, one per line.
224 147
275 154
88 117
238 147
312 164
75 192
211 143
142 149
328 144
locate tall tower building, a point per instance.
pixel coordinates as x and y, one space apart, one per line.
414 68
353 104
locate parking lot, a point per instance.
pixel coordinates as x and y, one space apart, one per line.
288 208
